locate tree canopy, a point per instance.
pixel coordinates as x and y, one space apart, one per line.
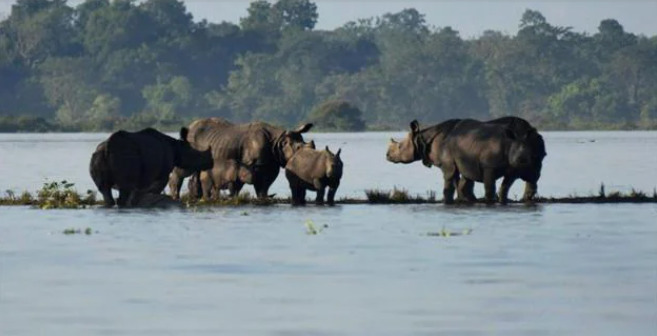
104 65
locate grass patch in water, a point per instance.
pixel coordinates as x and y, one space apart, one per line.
397 196
447 233
72 231
53 195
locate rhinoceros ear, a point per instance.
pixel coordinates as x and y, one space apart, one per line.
311 144
183 133
337 155
415 126
304 128
327 149
392 140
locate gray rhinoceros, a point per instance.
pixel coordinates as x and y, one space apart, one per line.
467 150
310 169
199 137
522 129
140 163
257 147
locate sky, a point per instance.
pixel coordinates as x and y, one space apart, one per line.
469 17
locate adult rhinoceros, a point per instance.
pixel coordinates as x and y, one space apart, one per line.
473 150
261 148
139 163
522 129
199 137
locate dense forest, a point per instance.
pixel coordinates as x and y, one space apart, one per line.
105 65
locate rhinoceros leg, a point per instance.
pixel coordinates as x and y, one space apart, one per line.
235 188
504 188
489 185
176 181
319 200
331 195
124 196
530 191
450 176
465 190
108 198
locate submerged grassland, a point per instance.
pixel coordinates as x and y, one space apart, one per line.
63 195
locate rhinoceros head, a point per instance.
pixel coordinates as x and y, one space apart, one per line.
291 141
333 163
521 153
404 151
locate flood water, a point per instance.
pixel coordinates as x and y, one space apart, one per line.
373 270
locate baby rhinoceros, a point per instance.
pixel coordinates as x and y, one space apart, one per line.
310 169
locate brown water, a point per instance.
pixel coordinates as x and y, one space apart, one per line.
375 270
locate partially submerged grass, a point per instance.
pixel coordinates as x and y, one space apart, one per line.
397 196
53 195
56 195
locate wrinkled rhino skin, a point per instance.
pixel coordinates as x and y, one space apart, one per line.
258 147
468 150
314 170
140 163
198 136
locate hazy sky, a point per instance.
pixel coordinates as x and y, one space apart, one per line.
468 17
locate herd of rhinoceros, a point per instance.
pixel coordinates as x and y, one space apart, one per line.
218 155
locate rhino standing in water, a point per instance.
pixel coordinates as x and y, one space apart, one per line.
198 136
469 150
314 170
253 153
139 163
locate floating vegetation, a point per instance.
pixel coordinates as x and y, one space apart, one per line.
72 231
311 229
447 233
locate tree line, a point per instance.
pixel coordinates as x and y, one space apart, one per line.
104 65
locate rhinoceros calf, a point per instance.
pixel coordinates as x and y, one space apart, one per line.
314 170
140 163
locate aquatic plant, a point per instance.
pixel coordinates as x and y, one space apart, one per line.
71 231
377 196
312 230
447 233
54 195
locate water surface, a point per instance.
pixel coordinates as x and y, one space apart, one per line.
374 270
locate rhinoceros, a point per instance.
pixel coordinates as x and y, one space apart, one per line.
522 129
140 163
261 148
310 169
199 137
468 150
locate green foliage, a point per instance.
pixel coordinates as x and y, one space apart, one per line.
55 195
107 64
337 116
